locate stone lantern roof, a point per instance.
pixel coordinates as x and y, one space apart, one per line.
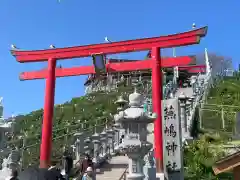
136 99
135 112
120 100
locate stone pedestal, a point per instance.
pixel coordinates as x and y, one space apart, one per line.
135 162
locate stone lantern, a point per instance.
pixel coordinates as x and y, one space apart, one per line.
96 146
87 142
134 121
103 140
110 135
121 103
78 145
119 131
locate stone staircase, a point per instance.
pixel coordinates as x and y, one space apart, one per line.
114 169
187 91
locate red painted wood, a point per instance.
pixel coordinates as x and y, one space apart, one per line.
182 39
112 67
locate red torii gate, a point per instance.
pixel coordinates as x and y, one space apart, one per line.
154 44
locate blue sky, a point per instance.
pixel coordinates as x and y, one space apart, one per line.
35 24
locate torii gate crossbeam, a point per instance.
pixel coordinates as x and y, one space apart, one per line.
182 62
153 44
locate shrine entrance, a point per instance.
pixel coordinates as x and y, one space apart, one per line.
98 51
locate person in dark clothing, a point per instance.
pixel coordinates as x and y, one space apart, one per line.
14 175
68 164
121 139
87 162
55 169
57 172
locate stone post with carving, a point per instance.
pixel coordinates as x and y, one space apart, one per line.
173 150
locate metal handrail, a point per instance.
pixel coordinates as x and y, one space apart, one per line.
25 147
35 136
124 174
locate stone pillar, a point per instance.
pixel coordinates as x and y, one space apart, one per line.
110 134
202 83
87 149
190 100
96 145
193 99
78 145
116 137
193 82
197 91
3 140
103 139
183 118
188 113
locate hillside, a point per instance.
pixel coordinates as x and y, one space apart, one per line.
222 104
93 109
96 108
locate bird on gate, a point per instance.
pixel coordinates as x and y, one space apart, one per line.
52 46
13 46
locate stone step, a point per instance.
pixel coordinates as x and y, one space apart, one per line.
114 169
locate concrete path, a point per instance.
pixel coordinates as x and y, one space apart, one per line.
114 169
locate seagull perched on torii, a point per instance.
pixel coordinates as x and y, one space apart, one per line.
13 46
52 46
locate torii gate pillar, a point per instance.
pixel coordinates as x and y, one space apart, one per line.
47 123
157 95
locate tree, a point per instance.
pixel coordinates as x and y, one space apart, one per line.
200 156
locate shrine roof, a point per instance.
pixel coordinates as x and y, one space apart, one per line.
227 163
